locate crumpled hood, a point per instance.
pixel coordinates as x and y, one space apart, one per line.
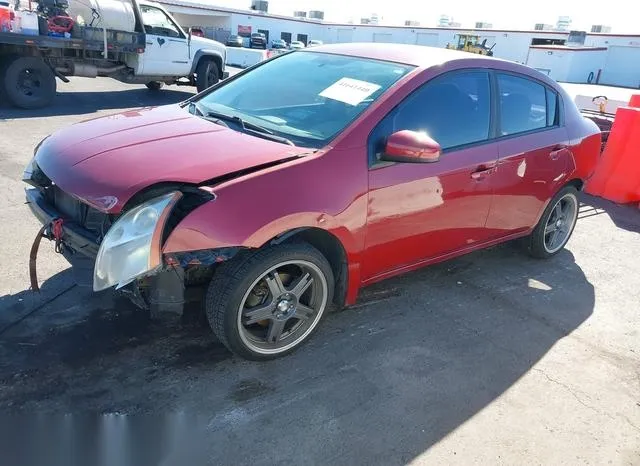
119 155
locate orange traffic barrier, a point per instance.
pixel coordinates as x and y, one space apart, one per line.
617 176
635 101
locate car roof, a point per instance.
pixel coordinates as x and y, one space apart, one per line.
416 55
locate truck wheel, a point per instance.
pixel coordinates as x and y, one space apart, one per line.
207 74
268 304
29 83
155 85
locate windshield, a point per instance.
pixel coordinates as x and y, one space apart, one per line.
306 97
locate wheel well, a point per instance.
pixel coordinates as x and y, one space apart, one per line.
577 183
332 249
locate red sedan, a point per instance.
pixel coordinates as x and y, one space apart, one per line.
290 186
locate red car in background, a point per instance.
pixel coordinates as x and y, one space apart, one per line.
291 185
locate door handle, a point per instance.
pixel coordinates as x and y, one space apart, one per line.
557 150
483 171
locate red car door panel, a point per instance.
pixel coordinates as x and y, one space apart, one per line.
420 211
530 169
533 154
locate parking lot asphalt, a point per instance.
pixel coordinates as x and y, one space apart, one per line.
492 358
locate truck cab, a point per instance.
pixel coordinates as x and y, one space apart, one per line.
171 52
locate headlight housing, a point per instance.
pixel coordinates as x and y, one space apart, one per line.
131 247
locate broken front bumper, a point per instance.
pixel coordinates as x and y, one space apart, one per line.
75 236
164 290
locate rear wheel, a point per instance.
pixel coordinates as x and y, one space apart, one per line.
29 83
269 304
556 224
207 74
155 85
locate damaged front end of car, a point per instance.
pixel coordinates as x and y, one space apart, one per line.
124 251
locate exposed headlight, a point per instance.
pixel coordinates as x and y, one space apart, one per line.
131 247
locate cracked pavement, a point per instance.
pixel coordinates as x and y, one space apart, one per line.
492 358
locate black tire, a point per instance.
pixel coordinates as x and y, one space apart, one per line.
155 85
538 241
29 83
233 282
207 74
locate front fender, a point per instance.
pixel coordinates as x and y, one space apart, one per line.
198 230
252 210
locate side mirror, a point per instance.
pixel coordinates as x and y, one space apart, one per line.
411 146
190 32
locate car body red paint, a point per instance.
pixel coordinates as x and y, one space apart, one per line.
121 154
389 219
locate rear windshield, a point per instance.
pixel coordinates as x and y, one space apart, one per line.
312 96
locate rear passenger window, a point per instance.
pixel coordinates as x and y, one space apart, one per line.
523 105
453 109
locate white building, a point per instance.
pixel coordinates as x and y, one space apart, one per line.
612 58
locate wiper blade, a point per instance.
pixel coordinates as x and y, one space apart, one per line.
236 119
252 128
270 136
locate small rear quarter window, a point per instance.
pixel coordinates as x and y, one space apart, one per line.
552 108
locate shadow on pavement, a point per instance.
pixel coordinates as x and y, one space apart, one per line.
379 383
82 102
625 216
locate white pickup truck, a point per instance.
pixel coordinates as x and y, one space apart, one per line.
155 52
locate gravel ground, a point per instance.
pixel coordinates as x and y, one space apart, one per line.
493 358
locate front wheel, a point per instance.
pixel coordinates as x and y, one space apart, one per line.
556 224
267 305
207 74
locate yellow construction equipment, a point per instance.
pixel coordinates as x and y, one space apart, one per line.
470 43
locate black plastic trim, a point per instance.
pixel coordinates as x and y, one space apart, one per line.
76 237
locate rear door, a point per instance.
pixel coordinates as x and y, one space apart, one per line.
167 49
533 153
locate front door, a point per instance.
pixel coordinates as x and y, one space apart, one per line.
422 211
167 49
533 154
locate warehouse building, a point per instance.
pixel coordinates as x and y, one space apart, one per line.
592 57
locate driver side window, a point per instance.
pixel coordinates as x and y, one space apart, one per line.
454 109
156 22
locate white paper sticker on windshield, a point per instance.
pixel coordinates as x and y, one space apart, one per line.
350 91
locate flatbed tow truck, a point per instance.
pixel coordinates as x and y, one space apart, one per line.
155 53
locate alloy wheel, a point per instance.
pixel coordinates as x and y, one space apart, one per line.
560 223
282 306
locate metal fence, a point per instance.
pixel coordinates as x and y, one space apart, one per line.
219 34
